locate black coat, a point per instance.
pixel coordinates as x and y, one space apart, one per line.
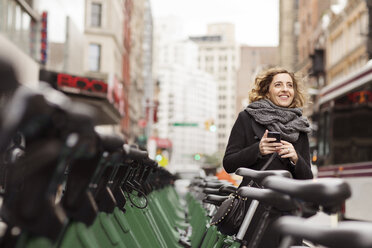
243 151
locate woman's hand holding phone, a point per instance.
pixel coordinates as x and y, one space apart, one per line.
269 145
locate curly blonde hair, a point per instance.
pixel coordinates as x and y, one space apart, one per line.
264 79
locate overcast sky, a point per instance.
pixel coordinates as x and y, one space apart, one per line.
256 21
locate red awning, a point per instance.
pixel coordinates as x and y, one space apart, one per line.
162 143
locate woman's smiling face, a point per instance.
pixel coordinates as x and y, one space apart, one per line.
281 90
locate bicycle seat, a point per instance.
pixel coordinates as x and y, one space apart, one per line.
214 185
110 142
228 189
345 235
258 176
215 199
327 192
268 197
211 191
134 153
148 161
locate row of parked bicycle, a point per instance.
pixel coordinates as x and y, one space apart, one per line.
64 184
296 200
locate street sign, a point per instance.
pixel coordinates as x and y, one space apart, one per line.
185 124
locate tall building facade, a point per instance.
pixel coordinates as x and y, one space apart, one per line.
128 6
325 34
344 105
332 45
309 19
104 39
136 88
311 52
288 32
187 101
252 61
20 38
219 56
83 51
186 96
148 103
347 41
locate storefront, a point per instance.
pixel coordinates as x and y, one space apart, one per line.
108 98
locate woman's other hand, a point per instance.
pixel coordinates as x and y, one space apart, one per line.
267 145
288 151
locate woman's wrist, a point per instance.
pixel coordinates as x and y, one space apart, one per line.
293 162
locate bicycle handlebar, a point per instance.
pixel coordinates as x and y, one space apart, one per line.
227 189
134 153
269 197
110 142
345 235
327 192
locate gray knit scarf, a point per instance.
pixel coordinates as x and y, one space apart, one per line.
288 121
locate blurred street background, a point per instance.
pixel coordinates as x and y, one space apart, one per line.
172 75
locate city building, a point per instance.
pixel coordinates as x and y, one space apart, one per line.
148 103
288 33
347 41
312 18
141 84
333 48
85 62
344 110
252 61
103 47
98 52
310 15
20 36
94 45
219 56
187 98
128 5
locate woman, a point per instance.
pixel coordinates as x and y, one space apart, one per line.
276 99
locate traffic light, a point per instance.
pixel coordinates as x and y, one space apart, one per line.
212 127
159 157
207 125
197 157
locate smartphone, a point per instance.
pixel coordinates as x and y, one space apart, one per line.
275 135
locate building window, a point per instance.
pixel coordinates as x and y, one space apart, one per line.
10 14
94 57
221 135
96 15
18 19
17 25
